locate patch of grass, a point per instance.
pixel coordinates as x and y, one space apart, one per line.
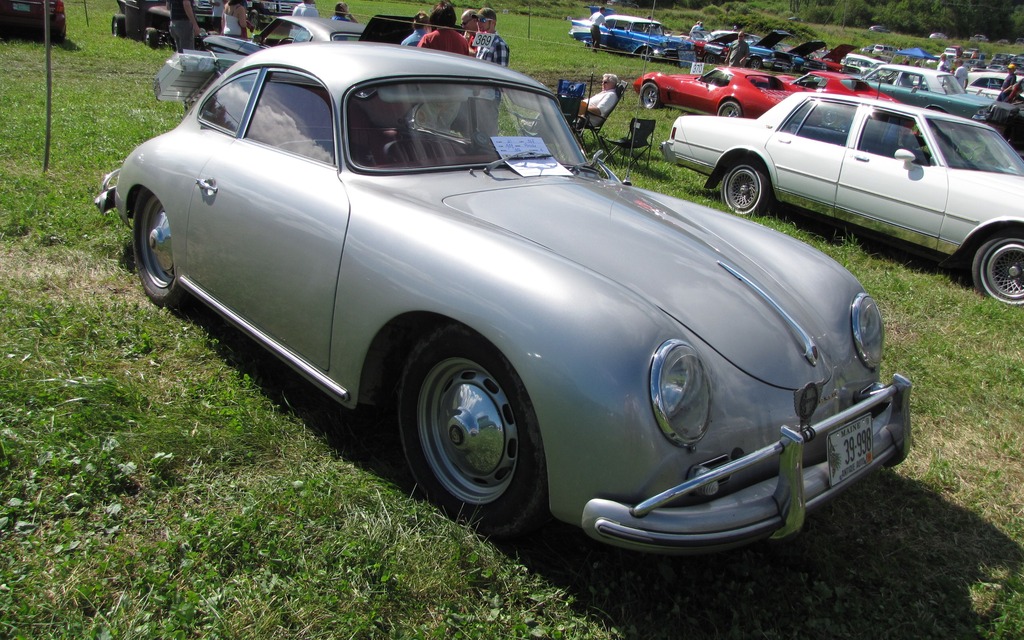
162 477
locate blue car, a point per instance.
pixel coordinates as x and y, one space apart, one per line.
637 36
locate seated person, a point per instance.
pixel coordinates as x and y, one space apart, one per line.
596 109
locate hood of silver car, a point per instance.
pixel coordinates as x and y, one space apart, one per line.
677 259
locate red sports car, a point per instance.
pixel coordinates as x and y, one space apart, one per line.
833 82
725 91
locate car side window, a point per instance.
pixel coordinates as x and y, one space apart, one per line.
885 76
885 133
827 122
293 114
225 108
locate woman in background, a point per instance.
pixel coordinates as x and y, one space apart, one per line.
236 21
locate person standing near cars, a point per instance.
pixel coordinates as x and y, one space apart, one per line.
445 36
1008 83
184 27
235 20
489 45
307 8
420 24
739 51
960 72
596 22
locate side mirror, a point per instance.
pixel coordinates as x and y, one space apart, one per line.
906 156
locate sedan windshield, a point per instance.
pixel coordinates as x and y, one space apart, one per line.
442 125
974 148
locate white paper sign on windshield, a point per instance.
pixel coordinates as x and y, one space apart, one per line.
528 156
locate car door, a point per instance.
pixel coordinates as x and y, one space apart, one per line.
266 232
884 193
808 152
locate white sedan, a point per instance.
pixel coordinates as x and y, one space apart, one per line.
943 186
985 83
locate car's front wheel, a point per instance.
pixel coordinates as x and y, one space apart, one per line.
998 268
470 434
650 97
117 26
756 63
746 190
730 109
154 253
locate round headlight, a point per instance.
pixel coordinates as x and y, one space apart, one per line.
680 393
868 332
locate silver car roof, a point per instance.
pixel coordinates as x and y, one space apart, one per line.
342 64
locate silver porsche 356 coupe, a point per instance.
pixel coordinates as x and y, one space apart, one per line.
421 229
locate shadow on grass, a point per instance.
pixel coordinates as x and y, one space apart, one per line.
888 559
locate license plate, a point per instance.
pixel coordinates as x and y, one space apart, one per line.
22 6
850 449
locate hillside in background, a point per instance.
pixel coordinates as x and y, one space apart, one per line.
959 19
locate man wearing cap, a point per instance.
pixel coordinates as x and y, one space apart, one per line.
489 45
1008 83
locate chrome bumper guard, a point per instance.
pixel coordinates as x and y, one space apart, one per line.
107 198
774 508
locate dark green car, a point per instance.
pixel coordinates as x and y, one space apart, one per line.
927 88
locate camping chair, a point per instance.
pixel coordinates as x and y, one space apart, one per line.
636 144
570 94
587 128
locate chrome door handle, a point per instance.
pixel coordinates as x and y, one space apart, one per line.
207 185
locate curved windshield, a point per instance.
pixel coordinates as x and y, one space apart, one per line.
951 86
974 148
420 125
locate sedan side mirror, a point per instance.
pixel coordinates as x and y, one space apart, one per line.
906 156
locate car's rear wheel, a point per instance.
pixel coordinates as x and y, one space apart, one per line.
650 97
154 253
470 433
998 268
730 109
746 190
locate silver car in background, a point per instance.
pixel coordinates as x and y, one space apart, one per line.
414 228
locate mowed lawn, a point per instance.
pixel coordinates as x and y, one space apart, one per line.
161 477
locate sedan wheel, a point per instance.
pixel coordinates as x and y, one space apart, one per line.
746 190
730 109
154 253
756 63
998 269
649 98
470 434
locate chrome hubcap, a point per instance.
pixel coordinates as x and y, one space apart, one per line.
1005 271
467 431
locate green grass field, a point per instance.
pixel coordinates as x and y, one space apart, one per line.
162 477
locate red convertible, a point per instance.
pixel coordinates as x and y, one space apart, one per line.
724 91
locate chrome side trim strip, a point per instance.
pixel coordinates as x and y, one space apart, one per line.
307 370
810 349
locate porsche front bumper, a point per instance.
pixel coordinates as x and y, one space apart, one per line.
773 508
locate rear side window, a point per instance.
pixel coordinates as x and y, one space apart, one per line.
293 114
225 108
827 122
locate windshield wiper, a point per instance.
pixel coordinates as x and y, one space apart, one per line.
522 155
